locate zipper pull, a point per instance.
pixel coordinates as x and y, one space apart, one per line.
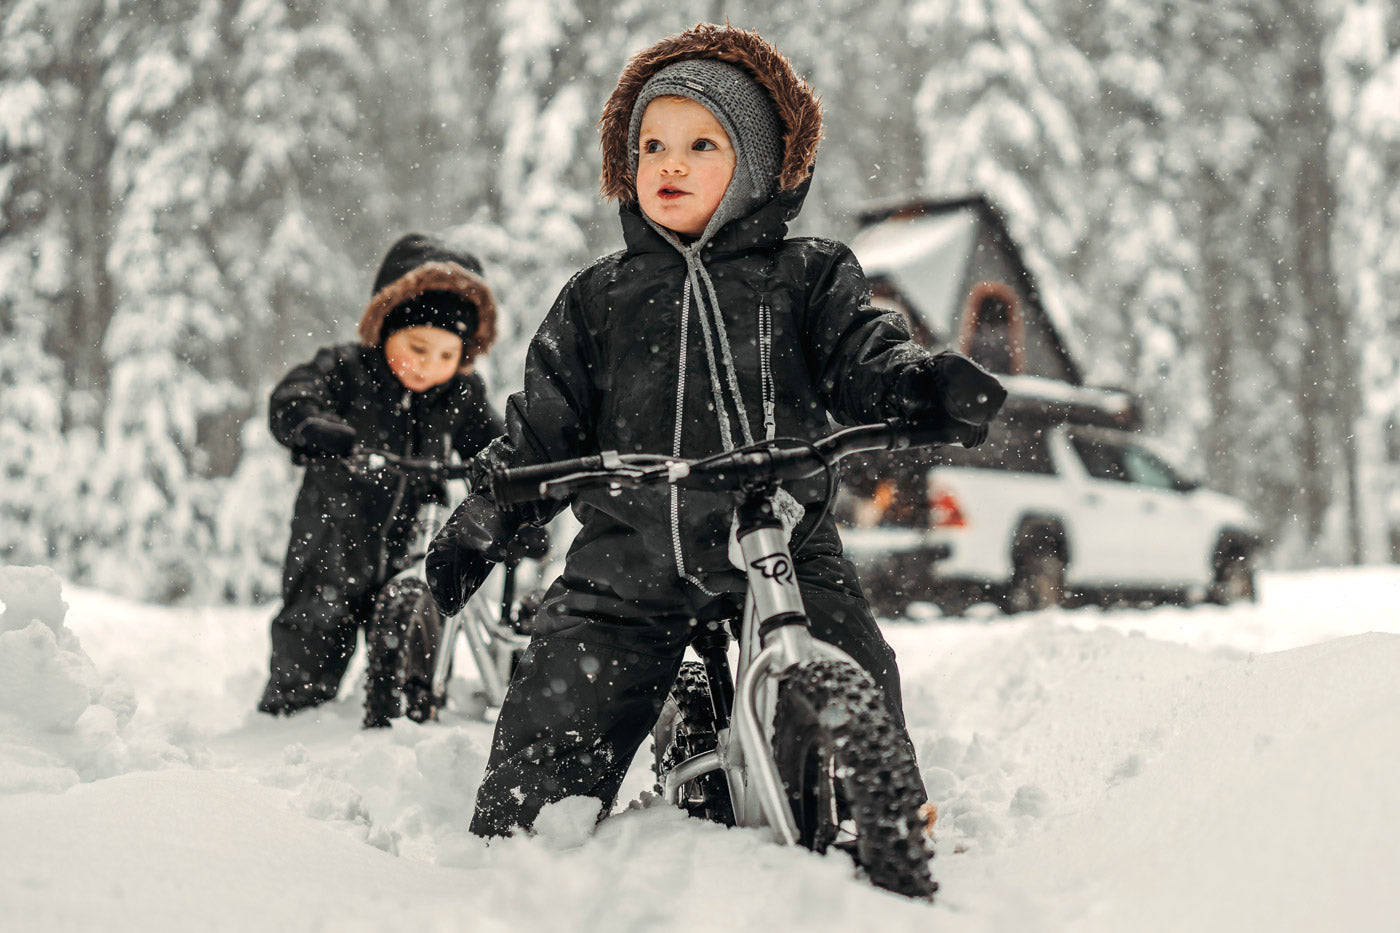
765 369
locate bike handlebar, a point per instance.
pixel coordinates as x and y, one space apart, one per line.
368 460
777 460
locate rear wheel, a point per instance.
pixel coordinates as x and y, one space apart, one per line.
401 641
1037 580
686 728
850 776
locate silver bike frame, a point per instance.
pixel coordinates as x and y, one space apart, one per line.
491 644
744 751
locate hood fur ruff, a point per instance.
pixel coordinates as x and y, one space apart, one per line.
798 106
435 277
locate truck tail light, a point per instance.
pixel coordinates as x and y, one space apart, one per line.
944 510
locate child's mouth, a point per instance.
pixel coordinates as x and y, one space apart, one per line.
670 194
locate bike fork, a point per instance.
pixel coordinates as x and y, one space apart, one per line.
487 640
775 636
442 664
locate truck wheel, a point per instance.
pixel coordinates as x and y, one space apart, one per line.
1234 578
1037 582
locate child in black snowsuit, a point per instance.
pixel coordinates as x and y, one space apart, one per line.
408 386
709 330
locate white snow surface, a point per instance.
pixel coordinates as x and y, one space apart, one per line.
1193 769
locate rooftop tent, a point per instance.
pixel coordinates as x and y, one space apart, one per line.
953 267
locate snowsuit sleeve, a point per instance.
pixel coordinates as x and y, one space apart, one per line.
551 418
855 352
308 389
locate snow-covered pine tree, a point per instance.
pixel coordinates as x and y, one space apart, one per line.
55 295
1363 83
539 217
1001 111
1135 263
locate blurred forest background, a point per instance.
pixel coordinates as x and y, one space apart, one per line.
194 194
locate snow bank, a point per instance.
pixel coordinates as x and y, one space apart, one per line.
408 790
60 721
1123 783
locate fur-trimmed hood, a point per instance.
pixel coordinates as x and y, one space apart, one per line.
416 264
797 104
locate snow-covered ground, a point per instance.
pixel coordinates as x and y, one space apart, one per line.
1175 769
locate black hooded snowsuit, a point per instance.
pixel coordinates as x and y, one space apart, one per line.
349 536
621 363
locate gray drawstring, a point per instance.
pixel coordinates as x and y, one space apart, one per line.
692 286
699 284
695 268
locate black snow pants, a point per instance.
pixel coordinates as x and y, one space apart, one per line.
313 639
587 694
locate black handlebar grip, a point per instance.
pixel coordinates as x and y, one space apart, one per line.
943 431
522 484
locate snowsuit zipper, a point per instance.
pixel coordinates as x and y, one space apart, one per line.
710 315
406 407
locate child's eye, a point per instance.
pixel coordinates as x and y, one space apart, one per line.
652 145
704 145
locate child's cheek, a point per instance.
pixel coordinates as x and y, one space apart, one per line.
404 367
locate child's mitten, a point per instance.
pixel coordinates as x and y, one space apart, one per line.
463 553
946 384
324 436
531 542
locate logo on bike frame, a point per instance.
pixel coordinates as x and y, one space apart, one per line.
775 567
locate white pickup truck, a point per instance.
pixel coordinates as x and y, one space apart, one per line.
1048 515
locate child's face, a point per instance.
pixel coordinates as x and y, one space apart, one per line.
423 357
684 166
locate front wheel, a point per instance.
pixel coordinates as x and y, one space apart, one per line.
401 642
850 775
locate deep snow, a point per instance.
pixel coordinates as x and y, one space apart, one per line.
1174 769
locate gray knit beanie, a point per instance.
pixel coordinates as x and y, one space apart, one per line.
746 112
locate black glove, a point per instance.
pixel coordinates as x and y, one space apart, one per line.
948 383
531 541
463 553
324 436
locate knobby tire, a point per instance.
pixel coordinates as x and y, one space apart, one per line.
687 728
851 779
401 641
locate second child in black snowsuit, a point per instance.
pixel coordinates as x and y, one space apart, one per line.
408 387
709 330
